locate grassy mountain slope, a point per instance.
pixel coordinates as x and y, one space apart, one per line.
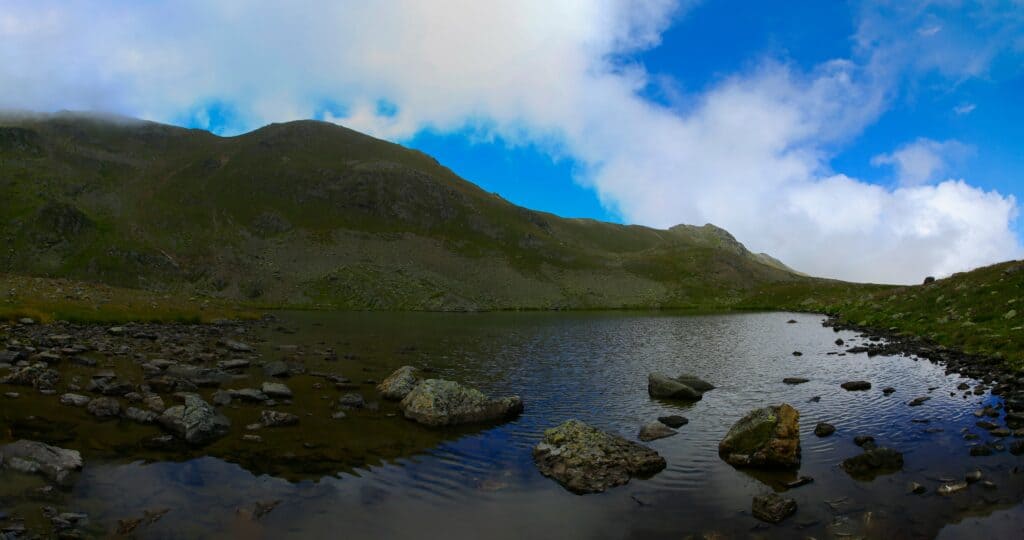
313 214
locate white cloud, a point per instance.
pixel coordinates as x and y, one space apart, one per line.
964 108
751 154
923 160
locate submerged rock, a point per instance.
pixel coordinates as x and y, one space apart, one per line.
196 421
873 462
768 437
674 421
685 387
824 429
585 459
772 508
437 402
56 464
795 380
399 383
655 430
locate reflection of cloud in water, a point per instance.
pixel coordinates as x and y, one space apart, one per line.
482 481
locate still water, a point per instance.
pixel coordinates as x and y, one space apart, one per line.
376 475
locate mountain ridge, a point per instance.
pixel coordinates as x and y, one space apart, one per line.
309 213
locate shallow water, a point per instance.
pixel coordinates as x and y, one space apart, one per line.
375 475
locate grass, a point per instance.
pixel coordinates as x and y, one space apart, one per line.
48 300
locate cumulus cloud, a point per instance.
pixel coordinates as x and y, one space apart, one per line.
750 154
923 160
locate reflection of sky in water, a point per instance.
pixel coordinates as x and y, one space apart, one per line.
594 367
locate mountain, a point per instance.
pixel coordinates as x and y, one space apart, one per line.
313 214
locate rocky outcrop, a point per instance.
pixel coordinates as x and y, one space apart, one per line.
686 387
56 464
197 422
437 402
399 383
767 438
585 459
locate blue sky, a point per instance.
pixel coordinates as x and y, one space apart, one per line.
868 140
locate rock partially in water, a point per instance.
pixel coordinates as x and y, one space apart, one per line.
398 385
197 422
768 437
437 402
655 430
36 375
951 488
56 464
352 400
873 462
74 400
685 387
276 390
278 419
141 416
247 394
856 385
772 508
918 401
864 440
585 459
277 368
674 420
795 380
824 429
104 407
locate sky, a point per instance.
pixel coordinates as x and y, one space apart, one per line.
869 141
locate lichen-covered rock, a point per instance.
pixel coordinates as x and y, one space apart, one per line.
399 383
585 459
56 464
437 402
197 422
664 387
768 437
873 462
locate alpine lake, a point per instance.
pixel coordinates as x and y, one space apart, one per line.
371 473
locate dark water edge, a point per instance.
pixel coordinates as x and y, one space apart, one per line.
373 474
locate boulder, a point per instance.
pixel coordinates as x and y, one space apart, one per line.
197 422
768 437
56 464
655 430
399 383
664 387
437 402
856 385
140 415
772 508
585 459
873 462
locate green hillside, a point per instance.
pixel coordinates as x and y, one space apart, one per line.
313 214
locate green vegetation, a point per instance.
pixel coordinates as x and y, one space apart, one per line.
182 224
310 214
47 300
